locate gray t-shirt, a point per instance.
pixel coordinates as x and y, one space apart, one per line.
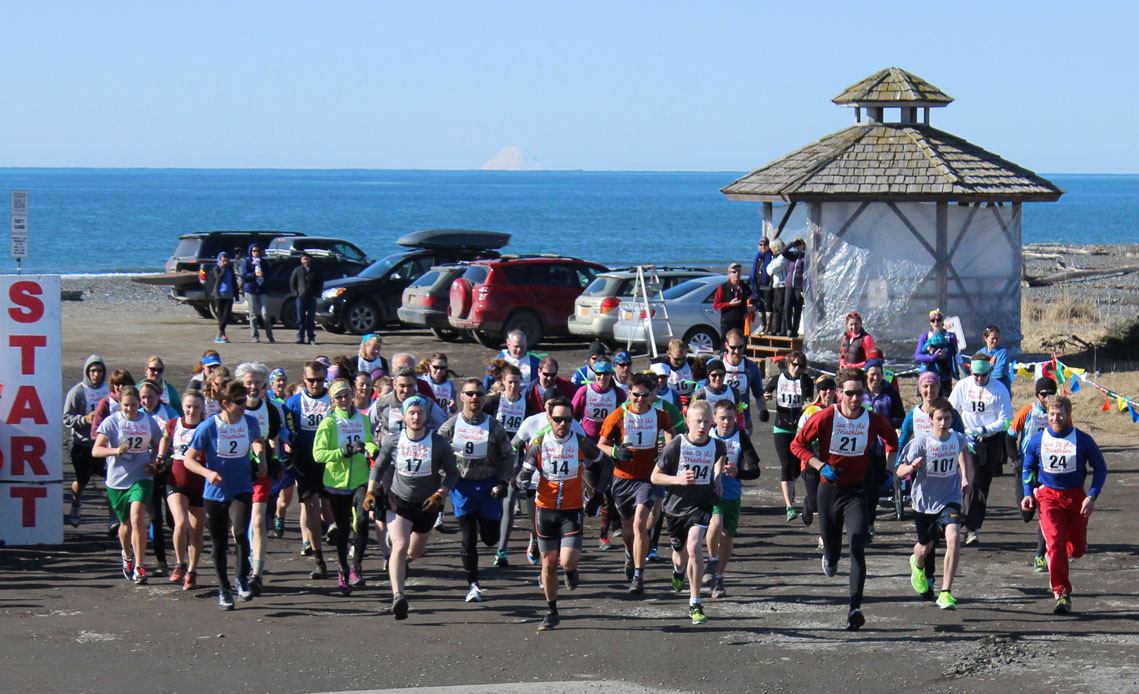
679 455
418 467
938 481
141 435
482 447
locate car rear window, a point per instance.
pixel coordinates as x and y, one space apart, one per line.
188 247
683 288
477 274
603 286
426 280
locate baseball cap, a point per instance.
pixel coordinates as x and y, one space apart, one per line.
597 349
603 367
661 369
211 360
622 357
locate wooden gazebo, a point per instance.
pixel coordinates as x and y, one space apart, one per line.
901 217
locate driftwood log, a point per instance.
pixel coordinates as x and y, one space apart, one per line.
1056 278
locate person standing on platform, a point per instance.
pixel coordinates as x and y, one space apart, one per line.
731 300
761 283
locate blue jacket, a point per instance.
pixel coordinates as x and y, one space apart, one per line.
251 283
759 276
1087 454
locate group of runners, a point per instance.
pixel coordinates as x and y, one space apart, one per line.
367 446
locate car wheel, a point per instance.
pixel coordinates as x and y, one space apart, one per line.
486 339
447 334
334 329
529 323
288 316
701 338
362 316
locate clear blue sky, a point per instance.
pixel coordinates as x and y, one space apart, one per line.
616 85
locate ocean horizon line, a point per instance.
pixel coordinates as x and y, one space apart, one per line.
458 170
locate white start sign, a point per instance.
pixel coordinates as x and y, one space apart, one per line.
31 407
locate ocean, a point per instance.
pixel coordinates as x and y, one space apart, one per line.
129 220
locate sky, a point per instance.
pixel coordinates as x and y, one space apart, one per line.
712 86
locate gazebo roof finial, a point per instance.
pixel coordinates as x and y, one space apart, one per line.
892 87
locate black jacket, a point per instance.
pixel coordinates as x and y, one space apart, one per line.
306 283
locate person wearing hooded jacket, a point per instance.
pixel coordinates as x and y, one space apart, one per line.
225 292
78 411
253 274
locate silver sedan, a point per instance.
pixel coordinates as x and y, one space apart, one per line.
690 315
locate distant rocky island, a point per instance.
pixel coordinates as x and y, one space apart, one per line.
512 159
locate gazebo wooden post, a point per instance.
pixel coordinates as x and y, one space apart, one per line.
942 254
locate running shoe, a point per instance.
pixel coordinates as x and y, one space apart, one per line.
696 612
160 568
399 606
550 621
792 514
256 585
637 586
603 543
387 558
870 534
191 581
710 567
677 582
139 576
571 579
718 588
474 594
1039 564
225 599
439 522
917 576
330 534
972 538
279 526
74 516
319 570
501 560
342 583
112 528
356 577
829 569
532 555
224 339
629 568
1063 605
807 515
820 545
653 556
946 601
128 568
306 549
854 620
241 586
178 574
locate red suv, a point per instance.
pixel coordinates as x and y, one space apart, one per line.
531 293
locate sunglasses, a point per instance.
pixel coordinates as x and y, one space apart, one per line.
735 348
853 393
155 369
473 393
798 363
560 420
733 272
314 380
638 395
239 401
543 374
1045 394
344 395
438 367
936 320
716 374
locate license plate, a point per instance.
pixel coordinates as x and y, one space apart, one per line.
626 315
583 310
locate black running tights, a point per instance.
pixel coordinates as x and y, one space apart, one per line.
219 516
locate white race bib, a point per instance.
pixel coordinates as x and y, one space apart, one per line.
640 430
261 414
313 410
681 381
599 405
849 436
413 458
1058 456
979 400
443 393
93 395
349 430
395 418
732 443
233 439
470 440
182 438
923 425
560 459
135 433
701 460
941 456
736 376
789 393
511 414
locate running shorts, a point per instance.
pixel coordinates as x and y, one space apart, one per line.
421 521
121 499
193 498
558 528
678 526
730 510
629 494
262 489
473 496
930 526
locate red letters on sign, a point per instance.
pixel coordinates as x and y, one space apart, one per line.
24 294
28 495
28 450
27 406
27 345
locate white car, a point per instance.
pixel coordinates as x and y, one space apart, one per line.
690 313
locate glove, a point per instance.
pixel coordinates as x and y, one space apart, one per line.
347 450
369 502
499 491
764 415
434 503
88 418
621 453
593 506
829 473
974 432
358 447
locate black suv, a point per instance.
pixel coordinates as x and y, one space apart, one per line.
326 246
197 253
364 303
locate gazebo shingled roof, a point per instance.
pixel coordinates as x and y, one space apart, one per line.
893 86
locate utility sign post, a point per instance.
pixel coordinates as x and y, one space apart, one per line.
19 227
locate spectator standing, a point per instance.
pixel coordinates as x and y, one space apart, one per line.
777 269
793 292
225 291
253 284
306 284
731 300
761 283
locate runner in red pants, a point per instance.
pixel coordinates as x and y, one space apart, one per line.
1056 463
